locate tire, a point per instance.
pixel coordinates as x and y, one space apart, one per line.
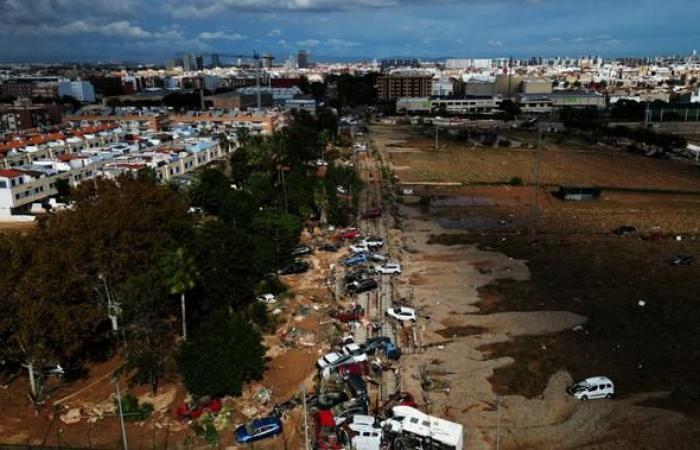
609 396
584 397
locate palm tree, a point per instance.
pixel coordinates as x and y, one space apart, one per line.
180 274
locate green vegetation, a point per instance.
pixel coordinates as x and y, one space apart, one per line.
129 256
132 410
226 352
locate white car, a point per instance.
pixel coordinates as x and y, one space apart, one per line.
355 351
402 313
594 387
373 241
321 162
389 268
376 257
359 248
329 360
268 299
341 190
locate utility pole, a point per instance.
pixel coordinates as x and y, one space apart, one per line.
498 423
538 161
125 444
437 136
258 69
302 388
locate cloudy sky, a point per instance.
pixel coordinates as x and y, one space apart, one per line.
153 30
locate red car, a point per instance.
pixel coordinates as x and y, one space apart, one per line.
326 431
195 409
373 213
351 315
351 234
359 368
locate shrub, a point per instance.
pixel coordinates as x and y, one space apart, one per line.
516 181
132 411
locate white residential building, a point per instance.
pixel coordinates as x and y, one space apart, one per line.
80 90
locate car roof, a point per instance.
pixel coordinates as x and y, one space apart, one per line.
352 346
265 421
333 356
598 379
325 418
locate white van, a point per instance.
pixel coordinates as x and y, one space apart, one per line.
594 387
367 439
412 428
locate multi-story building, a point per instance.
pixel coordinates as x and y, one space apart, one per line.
303 59
23 115
17 88
81 90
391 87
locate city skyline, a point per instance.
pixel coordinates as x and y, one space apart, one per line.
133 30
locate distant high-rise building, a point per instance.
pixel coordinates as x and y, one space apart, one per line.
267 60
188 63
289 64
215 60
174 62
303 59
192 62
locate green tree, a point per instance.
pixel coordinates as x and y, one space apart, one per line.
146 318
223 355
179 271
209 190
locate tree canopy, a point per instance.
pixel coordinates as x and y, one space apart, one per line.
226 353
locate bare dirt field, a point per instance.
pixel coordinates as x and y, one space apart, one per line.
513 318
412 154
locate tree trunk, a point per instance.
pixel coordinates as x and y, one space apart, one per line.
184 320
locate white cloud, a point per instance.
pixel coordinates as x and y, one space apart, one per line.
209 8
333 42
121 29
222 36
308 43
274 33
495 43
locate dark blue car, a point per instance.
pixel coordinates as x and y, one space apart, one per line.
355 259
258 429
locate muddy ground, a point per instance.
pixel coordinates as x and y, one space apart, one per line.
511 319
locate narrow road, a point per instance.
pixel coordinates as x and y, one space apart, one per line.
378 301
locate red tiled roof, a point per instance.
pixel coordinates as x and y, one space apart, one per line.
11 173
39 139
